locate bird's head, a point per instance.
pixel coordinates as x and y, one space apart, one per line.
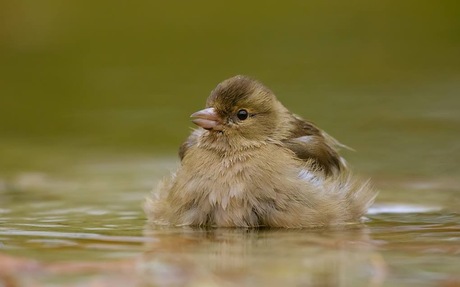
240 107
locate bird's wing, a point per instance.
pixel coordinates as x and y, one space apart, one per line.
310 143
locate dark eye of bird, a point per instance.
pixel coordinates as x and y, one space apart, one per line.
242 114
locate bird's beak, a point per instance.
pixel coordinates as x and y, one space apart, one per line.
207 119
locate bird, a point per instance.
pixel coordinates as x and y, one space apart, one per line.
252 163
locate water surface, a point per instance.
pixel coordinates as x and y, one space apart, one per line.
84 224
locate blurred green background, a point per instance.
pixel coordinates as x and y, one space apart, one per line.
117 77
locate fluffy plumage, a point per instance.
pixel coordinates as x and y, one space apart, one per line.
253 163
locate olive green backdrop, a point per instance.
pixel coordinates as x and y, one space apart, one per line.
381 76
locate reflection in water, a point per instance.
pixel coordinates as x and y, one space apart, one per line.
269 257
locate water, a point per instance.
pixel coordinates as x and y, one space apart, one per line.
84 224
95 100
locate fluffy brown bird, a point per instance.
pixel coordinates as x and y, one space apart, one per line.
253 163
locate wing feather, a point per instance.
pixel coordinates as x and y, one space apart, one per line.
310 143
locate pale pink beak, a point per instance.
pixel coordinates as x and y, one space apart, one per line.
207 119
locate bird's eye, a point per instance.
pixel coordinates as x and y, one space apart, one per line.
242 114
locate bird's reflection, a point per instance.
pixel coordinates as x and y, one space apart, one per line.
272 257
